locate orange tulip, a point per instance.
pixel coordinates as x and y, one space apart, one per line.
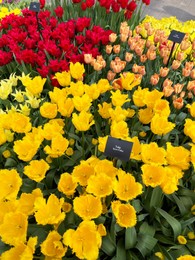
192 74
185 45
111 75
175 64
143 58
112 37
151 55
178 103
128 56
186 72
178 88
164 72
168 91
116 48
142 70
189 65
88 58
180 56
167 82
154 79
108 49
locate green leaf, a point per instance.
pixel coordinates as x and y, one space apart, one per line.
147 229
113 229
130 238
70 219
118 228
188 222
141 217
120 250
164 240
186 192
3 247
179 203
10 163
191 246
39 231
173 222
166 230
145 244
156 198
49 179
181 117
74 159
108 246
98 128
132 256
28 185
73 136
178 251
164 251
187 201
137 205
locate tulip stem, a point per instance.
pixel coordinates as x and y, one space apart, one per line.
83 145
170 55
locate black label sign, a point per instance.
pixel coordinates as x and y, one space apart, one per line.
176 36
118 148
35 7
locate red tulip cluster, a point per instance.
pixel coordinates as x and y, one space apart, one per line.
116 6
45 43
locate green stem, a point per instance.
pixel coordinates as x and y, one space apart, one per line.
83 145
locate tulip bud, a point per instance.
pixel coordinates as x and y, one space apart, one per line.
108 49
180 56
123 37
182 94
190 95
139 50
186 72
116 48
151 55
143 58
148 43
112 37
97 66
165 60
135 68
167 82
178 88
191 85
111 75
147 25
168 91
164 72
132 45
192 74
128 56
154 79
87 58
178 103
193 45
142 70
189 65
150 31
175 64
185 45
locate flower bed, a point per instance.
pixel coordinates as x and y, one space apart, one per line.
62 196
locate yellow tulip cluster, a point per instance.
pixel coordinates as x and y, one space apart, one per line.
43 134
4 11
